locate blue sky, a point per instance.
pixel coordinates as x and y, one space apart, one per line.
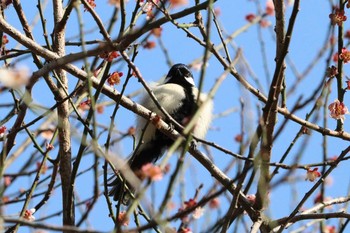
308 37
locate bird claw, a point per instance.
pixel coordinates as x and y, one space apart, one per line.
193 145
171 127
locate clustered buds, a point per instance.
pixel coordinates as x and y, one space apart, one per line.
28 215
345 55
332 72
114 78
330 229
2 130
150 171
269 11
185 230
178 2
109 56
91 3
123 219
131 131
338 17
85 105
338 110
196 213
312 174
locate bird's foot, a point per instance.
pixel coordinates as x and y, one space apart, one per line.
193 145
171 127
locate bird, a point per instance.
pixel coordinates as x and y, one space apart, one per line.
177 94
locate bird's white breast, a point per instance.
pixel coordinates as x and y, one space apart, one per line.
205 116
169 96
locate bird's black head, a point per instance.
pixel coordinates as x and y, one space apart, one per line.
180 74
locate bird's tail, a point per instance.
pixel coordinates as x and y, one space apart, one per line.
121 190
149 153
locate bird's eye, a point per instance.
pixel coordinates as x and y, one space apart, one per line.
185 72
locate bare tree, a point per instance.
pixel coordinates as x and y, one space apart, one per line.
66 121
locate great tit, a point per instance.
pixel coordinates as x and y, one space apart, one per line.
178 96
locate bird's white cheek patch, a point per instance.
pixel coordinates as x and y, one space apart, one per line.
190 80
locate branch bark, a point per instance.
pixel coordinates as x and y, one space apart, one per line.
63 112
